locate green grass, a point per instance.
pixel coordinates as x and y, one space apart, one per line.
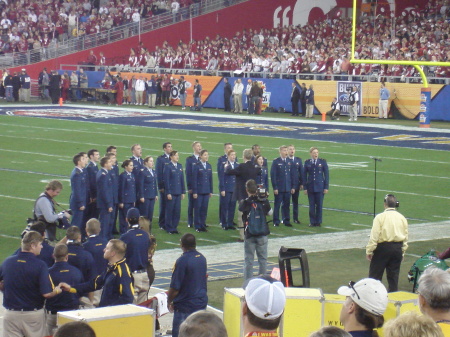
35 150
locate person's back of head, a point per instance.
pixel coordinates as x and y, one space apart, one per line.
248 154
93 226
188 241
60 252
265 299
203 324
330 331
73 233
251 187
434 290
411 324
75 329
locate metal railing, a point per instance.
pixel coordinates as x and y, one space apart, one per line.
263 75
72 45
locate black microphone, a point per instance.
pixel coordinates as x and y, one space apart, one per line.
376 159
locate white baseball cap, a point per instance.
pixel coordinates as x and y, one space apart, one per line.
265 297
368 293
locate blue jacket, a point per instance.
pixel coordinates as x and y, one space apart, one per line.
83 260
298 165
263 178
147 184
316 177
138 164
64 272
105 194
282 175
151 87
127 188
78 184
91 171
190 162
138 243
161 162
115 183
309 95
174 179
202 179
95 245
116 283
226 181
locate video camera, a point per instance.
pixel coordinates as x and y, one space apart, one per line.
261 193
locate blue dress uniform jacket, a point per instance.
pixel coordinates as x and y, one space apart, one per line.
105 192
91 171
138 243
26 279
263 178
202 179
116 282
228 205
190 162
161 162
83 260
227 182
174 179
96 245
147 184
64 272
138 164
283 175
298 165
115 183
127 188
316 180
78 184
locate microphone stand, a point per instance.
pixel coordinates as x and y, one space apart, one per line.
375 184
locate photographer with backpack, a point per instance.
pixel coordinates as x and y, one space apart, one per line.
254 209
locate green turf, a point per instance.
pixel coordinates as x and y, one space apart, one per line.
329 270
46 146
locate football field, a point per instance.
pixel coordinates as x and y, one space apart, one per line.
37 144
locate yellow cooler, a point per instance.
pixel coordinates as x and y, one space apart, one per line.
119 321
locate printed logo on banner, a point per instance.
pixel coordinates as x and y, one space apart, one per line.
266 95
175 92
343 94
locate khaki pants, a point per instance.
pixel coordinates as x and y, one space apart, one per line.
24 323
382 106
50 322
237 98
309 110
141 287
139 97
151 100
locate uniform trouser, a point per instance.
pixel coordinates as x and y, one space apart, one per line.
191 205
294 104
146 208
382 108
105 222
315 207
162 210
114 220
90 212
9 94
303 104
309 110
226 101
259 245
227 210
183 100
387 255
173 211
24 323
295 204
123 225
237 99
283 200
141 286
201 210
353 112
139 96
151 100
77 218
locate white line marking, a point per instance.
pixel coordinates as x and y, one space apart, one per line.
440 216
389 191
360 225
207 240
336 228
172 243
413 255
389 172
24 199
10 237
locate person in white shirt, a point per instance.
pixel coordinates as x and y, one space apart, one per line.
175 6
237 95
139 88
247 90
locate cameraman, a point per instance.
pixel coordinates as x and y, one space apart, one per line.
387 243
255 233
44 209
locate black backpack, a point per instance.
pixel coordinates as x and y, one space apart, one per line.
256 220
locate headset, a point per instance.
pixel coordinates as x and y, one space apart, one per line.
397 203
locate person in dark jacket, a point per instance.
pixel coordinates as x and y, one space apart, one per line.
16 86
55 87
227 95
295 98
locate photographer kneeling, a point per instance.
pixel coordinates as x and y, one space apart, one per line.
254 209
44 209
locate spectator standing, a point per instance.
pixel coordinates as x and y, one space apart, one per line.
309 96
25 86
353 100
175 6
182 92
248 88
188 291
295 98
388 243
197 95
55 87
237 96
16 86
384 100
227 95
140 88
151 92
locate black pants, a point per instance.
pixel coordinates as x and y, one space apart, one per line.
303 104
387 255
226 99
294 107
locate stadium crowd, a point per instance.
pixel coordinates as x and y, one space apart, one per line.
318 48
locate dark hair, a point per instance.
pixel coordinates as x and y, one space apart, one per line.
126 162
104 160
39 227
75 329
165 144
369 320
77 158
390 200
111 147
265 324
73 233
188 241
250 186
60 251
173 153
202 152
91 152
